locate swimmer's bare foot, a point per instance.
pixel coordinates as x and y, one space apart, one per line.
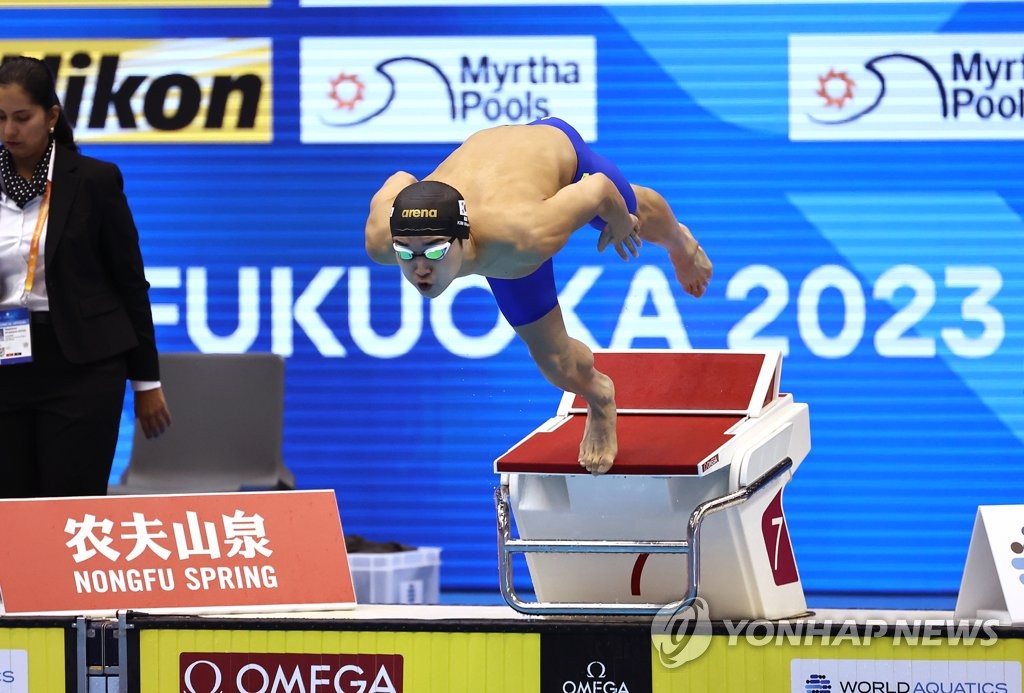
600 445
693 268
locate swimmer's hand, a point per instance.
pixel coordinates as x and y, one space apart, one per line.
624 239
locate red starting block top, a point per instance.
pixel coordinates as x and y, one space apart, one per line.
651 444
666 381
676 410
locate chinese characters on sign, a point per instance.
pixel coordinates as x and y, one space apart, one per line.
94 539
224 552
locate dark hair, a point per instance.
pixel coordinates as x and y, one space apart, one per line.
35 78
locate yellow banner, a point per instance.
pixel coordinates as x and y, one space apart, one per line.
32 659
161 90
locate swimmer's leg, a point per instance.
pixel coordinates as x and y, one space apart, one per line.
568 364
659 225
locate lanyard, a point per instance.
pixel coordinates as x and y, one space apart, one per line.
33 250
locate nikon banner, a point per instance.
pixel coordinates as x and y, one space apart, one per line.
166 90
151 4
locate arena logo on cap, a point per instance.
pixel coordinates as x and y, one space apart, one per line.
442 89
906 87
138 90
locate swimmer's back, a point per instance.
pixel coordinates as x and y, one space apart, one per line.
509 164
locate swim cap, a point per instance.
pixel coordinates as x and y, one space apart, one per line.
429 208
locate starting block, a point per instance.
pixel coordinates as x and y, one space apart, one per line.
691 507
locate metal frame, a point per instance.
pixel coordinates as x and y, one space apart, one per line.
106 674
508 546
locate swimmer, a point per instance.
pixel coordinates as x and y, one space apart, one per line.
525 189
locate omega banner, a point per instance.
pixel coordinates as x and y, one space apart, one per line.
229 552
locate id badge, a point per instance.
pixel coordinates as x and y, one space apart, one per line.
15 336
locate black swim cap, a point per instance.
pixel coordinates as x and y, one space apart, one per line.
429 208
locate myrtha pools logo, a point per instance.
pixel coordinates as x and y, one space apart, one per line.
438 90
906 87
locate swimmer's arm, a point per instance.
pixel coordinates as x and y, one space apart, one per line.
573 207
378 226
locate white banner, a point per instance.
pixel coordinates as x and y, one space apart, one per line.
443 89
14 671
903 676
906 87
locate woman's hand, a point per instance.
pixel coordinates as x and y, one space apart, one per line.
151 412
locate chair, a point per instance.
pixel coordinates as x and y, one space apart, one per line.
227 413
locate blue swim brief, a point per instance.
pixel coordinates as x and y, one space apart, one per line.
588 161
530 298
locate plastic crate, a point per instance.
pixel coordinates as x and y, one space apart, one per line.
402 577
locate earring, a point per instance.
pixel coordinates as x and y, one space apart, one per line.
51 131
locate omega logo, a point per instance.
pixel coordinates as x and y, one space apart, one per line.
284 673
596 682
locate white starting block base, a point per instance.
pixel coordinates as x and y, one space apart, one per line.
746 567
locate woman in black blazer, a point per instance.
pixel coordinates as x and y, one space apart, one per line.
72 272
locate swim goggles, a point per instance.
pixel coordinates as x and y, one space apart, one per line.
434 252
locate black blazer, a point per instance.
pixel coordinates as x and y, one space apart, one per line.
95 280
